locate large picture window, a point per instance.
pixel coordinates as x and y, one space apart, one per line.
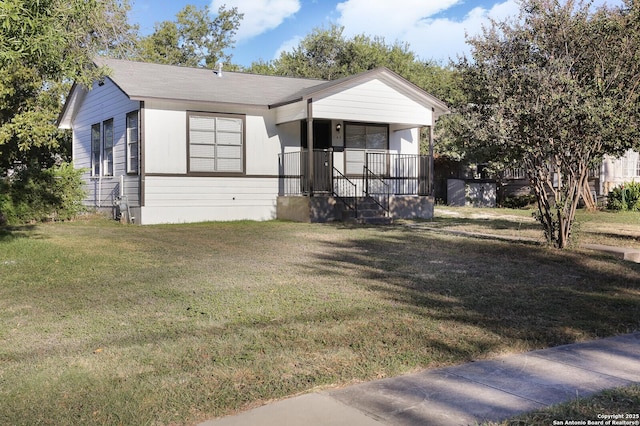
216 143
133 144
360 139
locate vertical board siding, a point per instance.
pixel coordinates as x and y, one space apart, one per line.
102 103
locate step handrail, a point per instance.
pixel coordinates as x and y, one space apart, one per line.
345 190
384 195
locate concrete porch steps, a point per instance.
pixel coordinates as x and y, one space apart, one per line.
369 213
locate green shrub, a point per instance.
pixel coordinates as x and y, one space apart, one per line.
32 194
518 201
625 197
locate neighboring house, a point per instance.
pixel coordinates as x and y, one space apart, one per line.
173 144
616 171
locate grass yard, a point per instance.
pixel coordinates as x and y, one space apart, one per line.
613 404
102 323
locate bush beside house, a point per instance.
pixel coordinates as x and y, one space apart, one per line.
33 194
625 197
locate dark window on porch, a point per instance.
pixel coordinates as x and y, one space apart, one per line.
321 134
360 139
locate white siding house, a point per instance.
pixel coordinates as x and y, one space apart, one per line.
617 171
178 144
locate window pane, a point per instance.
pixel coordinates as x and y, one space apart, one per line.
108 134
376 137
108 162
202 123
229 151
200 137
354 136
203 151
229 165
229 125
354 161
107 154
229 138
202 165
95 149
132 142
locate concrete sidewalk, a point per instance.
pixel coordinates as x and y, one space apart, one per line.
471 393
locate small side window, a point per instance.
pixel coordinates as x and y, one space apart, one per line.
133 144
96 139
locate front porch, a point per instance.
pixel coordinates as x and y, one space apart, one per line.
348 184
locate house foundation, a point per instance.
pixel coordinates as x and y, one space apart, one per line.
328 209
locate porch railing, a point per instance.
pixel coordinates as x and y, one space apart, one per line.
346 191
377 189
404 174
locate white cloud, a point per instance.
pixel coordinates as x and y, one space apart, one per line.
384 17
259 15
411 21
288 46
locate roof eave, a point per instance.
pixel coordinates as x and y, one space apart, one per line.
195 101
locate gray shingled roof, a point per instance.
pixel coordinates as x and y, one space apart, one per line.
140 80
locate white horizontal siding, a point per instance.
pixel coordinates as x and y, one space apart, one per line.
197 199
371 101
291 112
102 103
166 137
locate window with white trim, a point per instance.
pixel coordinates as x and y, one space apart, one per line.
216 143
133 143
102 140
96 142
107 147
360 139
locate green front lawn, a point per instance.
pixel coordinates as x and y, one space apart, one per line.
102 323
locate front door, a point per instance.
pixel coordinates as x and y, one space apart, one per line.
323 159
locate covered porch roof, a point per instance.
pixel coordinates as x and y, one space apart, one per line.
376 96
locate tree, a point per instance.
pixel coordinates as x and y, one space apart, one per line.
328 55
193 39
44 45
544 94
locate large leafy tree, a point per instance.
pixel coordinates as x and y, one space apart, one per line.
45 44
553 91
195 38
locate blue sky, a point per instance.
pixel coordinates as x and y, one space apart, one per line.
434 29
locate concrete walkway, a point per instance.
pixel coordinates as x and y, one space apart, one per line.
467 394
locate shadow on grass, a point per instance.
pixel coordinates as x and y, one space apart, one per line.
488 223
10 233
529 295
611 235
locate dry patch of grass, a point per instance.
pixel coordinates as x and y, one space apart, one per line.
615 406
102 323
620 229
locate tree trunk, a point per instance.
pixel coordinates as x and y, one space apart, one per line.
589 202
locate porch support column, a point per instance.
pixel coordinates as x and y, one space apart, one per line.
431 162
310 145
